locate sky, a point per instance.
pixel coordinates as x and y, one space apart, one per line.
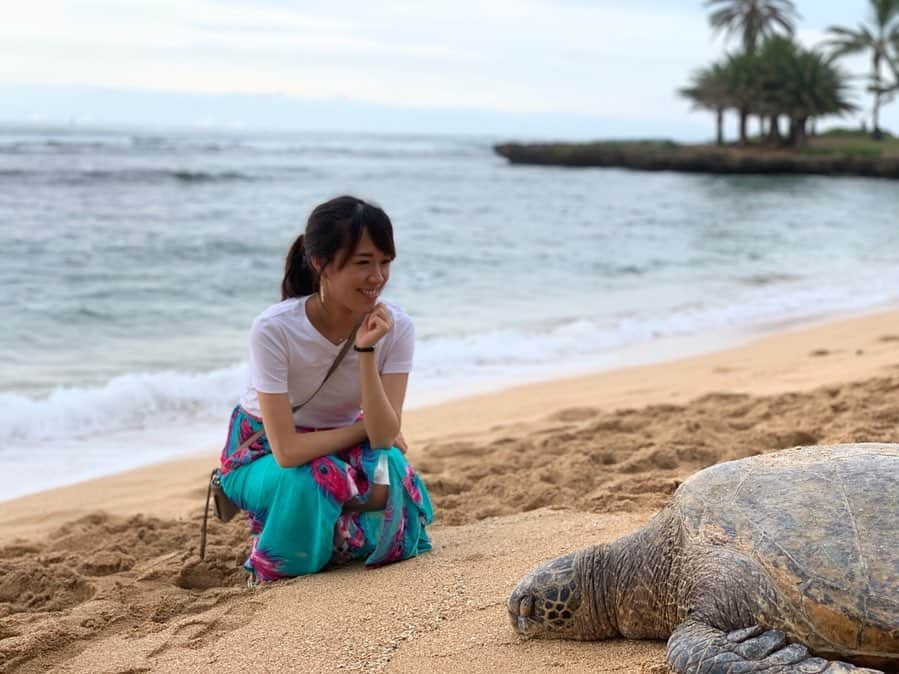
531 68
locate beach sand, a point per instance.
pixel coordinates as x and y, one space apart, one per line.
103 576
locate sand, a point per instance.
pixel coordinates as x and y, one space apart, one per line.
103 576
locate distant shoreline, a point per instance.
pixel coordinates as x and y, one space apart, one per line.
662 156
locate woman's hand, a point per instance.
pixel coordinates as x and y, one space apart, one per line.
375 324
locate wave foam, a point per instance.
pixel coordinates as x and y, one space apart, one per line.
142 400
131 401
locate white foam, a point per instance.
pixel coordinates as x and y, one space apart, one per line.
128 402
87 430
143 400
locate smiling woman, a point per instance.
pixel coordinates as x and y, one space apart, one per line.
327 480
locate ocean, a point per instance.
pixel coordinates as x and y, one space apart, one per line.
134 262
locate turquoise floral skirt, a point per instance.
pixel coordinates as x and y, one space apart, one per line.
296 514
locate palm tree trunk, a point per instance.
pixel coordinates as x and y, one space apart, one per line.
719 126
797 131
876 134
774 130
744 115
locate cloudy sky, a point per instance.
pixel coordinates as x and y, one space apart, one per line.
534 67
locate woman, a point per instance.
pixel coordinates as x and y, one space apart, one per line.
329 481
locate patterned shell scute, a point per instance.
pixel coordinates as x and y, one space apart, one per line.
823 522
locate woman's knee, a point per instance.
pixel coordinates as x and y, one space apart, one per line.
377 500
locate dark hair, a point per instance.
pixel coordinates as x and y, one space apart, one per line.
333 226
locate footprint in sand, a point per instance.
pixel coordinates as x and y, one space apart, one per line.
104 574
105 562
205 574
575 414
456 450
445 486
201 628
25 588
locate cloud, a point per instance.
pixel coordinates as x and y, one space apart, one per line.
503 54
598 58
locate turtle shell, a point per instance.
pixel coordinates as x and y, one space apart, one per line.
823 524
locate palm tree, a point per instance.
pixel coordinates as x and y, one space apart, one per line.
742 75
894 63
812 86
753 20
880 40
708 89
776 58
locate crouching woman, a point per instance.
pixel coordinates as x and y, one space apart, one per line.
327 481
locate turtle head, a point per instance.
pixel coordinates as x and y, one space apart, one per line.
559 600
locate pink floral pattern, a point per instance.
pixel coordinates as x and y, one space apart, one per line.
325 484
332 479
265 564
410 482
348 538
245 426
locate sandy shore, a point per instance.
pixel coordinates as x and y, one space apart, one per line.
103 576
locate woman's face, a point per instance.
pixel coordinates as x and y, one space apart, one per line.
357 281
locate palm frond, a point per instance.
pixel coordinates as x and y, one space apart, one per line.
843 41
841 31
752 19
875 39
786 25
885 11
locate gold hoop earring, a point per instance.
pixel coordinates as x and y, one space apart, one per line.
321 291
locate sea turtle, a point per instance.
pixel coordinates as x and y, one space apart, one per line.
754 566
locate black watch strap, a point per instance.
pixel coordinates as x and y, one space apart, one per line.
364 349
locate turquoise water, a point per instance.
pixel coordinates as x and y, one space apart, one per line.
135 262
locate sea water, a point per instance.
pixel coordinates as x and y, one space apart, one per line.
134 262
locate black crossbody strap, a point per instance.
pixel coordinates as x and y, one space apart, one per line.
340 356
346 347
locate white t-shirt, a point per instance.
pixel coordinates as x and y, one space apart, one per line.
288 355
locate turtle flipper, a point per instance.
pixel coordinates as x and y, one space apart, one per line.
698 648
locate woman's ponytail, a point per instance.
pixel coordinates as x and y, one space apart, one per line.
299 276
333 226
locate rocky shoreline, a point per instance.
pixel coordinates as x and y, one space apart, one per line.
662 156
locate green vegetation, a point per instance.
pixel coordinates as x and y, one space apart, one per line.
786 87
773 78
844 156
857 150
842 132
882 43
853 142
647 144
